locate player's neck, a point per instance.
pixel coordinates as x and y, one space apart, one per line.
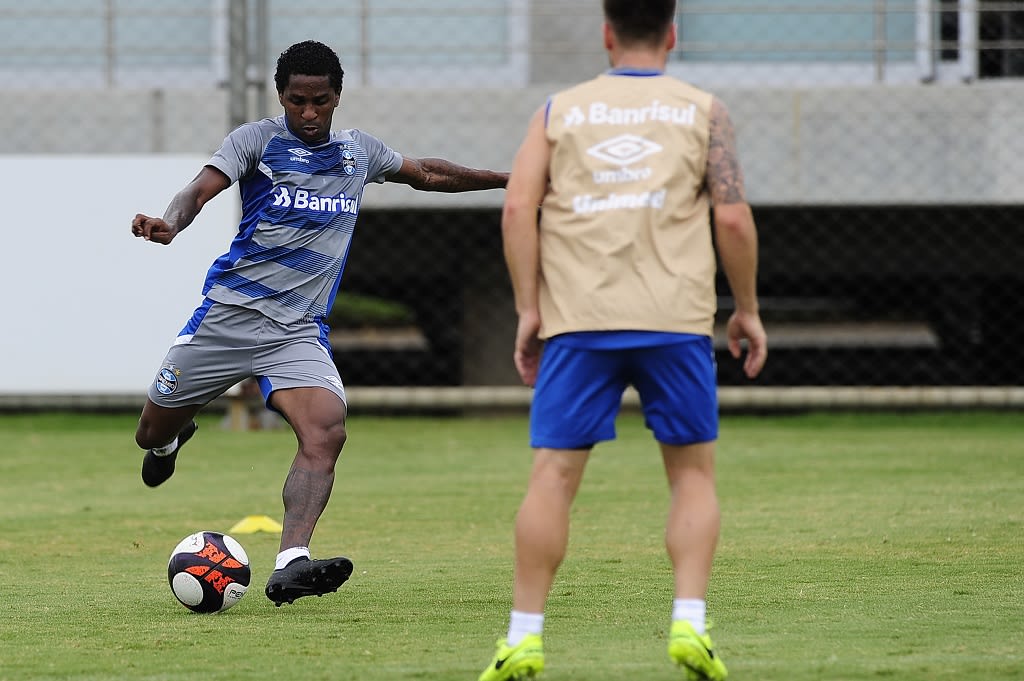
640 60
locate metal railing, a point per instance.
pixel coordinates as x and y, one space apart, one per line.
105 44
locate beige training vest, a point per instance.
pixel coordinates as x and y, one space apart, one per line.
625 235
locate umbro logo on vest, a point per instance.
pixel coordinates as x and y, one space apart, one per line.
624 149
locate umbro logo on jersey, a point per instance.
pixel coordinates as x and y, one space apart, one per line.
299 155
303 200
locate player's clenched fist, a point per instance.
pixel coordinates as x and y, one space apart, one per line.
152 229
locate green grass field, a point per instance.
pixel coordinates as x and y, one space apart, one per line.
853 547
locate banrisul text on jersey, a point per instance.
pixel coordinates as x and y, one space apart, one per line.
305 200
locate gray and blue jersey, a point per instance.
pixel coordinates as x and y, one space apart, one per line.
299 210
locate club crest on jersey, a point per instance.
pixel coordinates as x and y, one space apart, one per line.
167 379
304 200
348 161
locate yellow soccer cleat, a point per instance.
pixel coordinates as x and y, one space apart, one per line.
514 663
695 653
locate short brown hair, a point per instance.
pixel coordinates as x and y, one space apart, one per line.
640 21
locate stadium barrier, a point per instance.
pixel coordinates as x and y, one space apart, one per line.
464 399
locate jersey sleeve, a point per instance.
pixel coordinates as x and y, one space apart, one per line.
240 152
383 160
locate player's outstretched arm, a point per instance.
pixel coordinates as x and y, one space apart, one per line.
439 175
183 209
736 238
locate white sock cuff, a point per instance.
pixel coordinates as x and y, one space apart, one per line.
288 555
693 610
522 623
167 449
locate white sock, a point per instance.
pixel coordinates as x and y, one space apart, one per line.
167 449
693 610
288 555
522 623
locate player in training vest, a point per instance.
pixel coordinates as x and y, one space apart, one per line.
266 298
618 286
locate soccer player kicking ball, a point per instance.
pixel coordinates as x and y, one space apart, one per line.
619 283
266 299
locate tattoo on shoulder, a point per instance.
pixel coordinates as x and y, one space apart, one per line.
725 177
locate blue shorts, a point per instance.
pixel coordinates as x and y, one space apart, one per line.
582 378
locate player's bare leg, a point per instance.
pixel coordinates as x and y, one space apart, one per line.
161 432
542 535
691 532
317 416
691 536
542 524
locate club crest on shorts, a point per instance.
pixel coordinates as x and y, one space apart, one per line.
167 379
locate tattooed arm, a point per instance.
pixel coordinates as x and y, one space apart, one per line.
736 239
439 175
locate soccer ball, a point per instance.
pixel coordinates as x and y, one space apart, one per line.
208 572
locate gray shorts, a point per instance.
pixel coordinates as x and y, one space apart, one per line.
223 345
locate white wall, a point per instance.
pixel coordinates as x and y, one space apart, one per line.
87 308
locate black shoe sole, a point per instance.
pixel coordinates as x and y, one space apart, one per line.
323 577
157 469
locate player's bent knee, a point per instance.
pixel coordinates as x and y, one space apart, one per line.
324 444
148 438
338 435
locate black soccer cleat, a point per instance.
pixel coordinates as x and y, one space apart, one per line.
156 469
306 577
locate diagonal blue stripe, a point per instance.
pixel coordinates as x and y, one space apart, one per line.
301 259
248 287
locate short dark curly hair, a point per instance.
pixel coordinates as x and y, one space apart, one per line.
309 58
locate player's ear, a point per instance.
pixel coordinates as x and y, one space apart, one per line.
671 38
609 37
